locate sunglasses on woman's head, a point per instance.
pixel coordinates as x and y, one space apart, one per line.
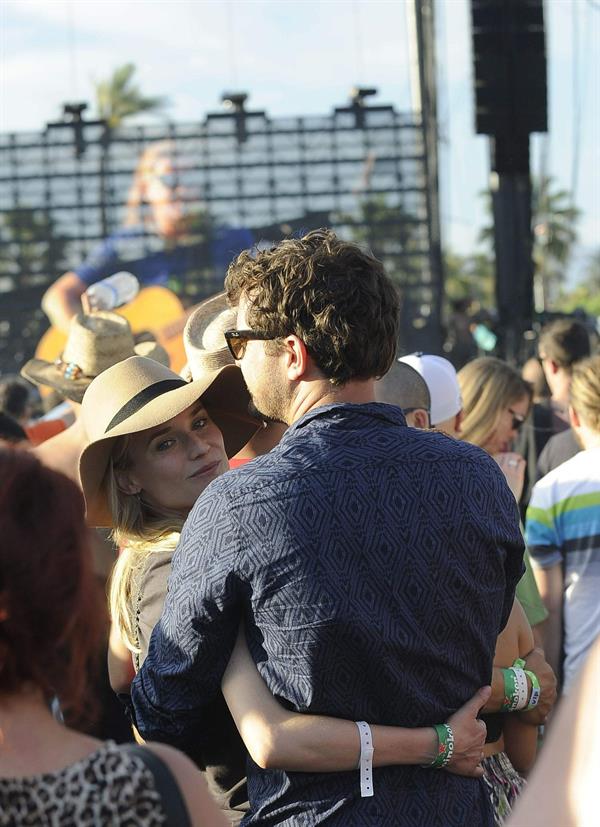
237 340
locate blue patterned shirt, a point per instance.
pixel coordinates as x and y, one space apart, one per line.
374 566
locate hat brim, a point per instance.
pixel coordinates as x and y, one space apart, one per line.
48 375
226 399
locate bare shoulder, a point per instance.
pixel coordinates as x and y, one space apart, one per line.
202 809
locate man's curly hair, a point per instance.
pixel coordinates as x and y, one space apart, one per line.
328 292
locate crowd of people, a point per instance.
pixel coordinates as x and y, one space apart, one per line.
345 585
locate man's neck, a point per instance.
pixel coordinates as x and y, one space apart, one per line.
317 393
560 385
587 437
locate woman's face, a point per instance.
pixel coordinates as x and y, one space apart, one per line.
164 192
172 464
507 427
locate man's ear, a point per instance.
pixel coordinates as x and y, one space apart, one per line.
554 367
421 419
458 421
126 484
297 357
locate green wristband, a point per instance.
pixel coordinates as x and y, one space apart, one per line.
445 747
509 690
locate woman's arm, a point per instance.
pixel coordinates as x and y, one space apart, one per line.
520 736
277 738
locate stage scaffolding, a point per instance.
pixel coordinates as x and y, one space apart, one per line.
359 169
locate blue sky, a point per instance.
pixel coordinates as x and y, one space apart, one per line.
301 57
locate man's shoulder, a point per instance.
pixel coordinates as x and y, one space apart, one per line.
577 475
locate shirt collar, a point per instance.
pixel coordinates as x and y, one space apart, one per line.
391 414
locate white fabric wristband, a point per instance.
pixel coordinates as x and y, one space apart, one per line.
366 759
521 689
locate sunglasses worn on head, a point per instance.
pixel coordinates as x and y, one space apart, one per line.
238 339
517 420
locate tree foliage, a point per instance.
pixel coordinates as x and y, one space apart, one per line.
554 227
119 97
34 251
585 294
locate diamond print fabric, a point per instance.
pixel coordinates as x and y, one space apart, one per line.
374 566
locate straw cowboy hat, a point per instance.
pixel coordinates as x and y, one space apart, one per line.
95 343
140 393
203 338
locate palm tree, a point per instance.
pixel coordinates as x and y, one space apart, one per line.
554 233
118 97
553 222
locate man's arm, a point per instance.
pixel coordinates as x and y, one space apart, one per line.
62 300
551 585
534 662
192 642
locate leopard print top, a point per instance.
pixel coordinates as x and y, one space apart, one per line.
108 787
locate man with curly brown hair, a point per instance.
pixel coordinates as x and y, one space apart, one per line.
373 565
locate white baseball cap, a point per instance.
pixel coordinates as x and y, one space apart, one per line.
440 377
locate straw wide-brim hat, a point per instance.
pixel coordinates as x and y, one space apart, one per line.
203 335
95 342
139 393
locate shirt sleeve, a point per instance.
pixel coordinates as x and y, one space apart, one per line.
541 535
101 262
529 597
193 640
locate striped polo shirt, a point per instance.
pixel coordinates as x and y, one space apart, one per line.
563 527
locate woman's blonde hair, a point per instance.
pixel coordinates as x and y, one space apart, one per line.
585 391
488 386
140 529
136 211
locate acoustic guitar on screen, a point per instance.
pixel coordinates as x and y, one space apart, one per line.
156 310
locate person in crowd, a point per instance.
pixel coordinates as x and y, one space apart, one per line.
158 242
206 349
533 373
559 448
512 746
51 774
563 790
11 431
404 387
94 343
512 733
496 402
460 345
311 545
444 390
561 345
139 581
15 399
563 533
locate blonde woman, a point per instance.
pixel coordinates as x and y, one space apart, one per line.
155 443
167 237
496 402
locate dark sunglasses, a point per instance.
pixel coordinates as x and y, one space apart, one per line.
238 339
517 420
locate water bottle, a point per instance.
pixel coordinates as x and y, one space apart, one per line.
112 292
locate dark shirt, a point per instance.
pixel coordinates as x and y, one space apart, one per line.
557 450
374 566
540 426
